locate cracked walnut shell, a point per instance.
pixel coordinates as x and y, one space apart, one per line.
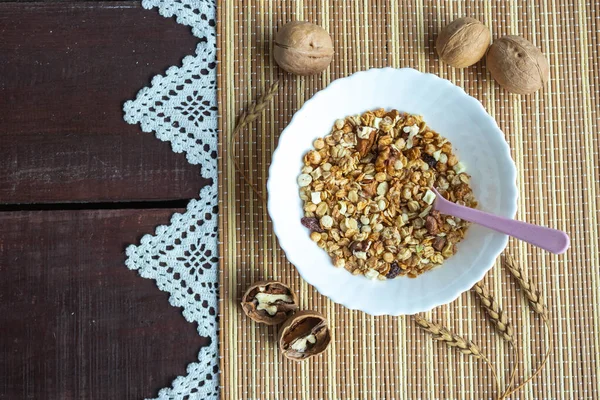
304 335
269 302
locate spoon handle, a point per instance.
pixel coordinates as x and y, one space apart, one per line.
552 240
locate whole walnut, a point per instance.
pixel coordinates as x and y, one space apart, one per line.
517 65
463 42
303 48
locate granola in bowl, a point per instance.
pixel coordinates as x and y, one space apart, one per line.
367 198
477 140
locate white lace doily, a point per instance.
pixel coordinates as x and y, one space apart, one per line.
181 107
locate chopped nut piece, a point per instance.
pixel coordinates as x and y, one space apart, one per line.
386 124
361 246
380 112
365 143
431 225
439 243
370 188
365 132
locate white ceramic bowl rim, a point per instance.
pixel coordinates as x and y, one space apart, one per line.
313 263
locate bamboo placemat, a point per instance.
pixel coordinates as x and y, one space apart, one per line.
553 136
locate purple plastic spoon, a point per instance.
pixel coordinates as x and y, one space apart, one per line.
552 240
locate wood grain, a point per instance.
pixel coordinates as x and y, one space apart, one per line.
75 323
65 71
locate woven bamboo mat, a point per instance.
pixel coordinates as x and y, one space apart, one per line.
554 139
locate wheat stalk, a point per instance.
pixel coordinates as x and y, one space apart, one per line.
496 316
499 320
534 296
537 305
465 346
247 117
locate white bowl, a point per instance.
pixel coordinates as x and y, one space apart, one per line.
447 109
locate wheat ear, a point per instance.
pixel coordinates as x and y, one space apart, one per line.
442 334
534 296
537 305
465 346
496 316
500 322
253 112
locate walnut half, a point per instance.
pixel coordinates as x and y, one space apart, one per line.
269 302
304 335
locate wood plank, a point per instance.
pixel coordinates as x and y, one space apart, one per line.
65 71
75 323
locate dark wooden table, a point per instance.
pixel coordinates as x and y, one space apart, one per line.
77 185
